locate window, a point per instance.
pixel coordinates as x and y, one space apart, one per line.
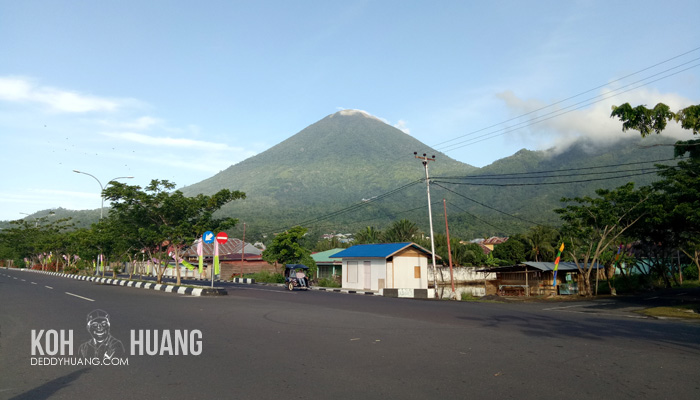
416 272
352 272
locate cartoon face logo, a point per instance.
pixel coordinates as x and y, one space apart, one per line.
103 344
99 328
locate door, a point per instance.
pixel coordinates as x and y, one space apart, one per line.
368 275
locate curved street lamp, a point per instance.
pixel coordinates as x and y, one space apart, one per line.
102 189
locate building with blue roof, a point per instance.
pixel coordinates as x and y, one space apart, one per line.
384 266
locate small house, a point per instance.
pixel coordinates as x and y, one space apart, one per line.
380 266
327 267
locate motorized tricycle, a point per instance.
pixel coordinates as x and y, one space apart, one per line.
295 276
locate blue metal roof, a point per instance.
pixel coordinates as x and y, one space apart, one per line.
383 250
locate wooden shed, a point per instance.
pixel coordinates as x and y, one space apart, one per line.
535 278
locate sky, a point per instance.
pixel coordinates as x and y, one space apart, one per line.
182 90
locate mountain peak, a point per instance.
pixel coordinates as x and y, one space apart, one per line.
353 112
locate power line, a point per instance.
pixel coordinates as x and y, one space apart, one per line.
360 204
572 97
485 205
554 176
479 219
440 179
557 113
501 176
548 183
345 210
387 214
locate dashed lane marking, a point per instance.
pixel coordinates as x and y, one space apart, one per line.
80 297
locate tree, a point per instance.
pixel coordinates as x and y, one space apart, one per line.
680 184
401 231
34 242
541 243
286 248
510 252
647 120
469 254
164 223
369 235
594 225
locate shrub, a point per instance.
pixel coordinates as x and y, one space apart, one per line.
690 272
328 282
267 277
468 297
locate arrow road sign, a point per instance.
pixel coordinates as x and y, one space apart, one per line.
208 237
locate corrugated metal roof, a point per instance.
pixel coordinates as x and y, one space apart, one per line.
383 250
495 240
232 246
325 256
549 266
542 266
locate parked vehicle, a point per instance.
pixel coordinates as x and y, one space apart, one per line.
295 276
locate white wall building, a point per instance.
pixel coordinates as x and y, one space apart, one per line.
384 266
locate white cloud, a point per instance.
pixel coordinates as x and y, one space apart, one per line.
19 89
401 125
168 141
564 124
142 123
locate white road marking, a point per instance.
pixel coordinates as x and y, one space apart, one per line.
80 297
33 283
48 287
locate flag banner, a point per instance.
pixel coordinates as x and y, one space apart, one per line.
556 265
188 265
216 258
200 255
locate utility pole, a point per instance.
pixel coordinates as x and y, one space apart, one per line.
449 251
242 250
425 160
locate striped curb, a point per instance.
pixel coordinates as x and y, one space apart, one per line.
249 281
347 291
325 289
217 291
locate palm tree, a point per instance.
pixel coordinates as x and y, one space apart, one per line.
401 231
369 235
541 241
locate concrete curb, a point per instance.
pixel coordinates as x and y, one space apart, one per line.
347 291
203 291
409 293
325 289
249 281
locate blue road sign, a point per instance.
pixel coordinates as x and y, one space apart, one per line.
208 237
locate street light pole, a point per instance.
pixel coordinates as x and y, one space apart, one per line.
102 189
102 204
425 160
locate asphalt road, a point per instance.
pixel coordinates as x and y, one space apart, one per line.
263 342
